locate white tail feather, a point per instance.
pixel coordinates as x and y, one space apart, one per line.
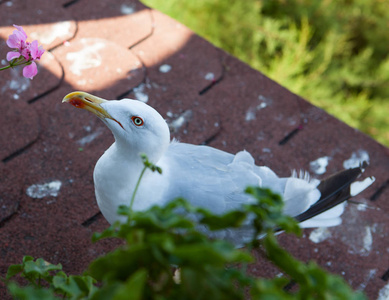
299 195
329 218
359 186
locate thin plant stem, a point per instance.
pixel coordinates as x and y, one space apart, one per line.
5 68
136 188
17 62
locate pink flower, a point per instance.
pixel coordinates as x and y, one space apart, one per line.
12 55
30 71
17 39
36 51
31 52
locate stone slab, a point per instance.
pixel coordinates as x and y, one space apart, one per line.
43 20
183 58
125 23
95 64
20 127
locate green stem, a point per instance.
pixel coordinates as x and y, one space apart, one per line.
136 188
5 68
16 62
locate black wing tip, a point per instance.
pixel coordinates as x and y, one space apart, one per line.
334 190
363 165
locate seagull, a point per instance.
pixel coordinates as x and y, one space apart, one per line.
205 176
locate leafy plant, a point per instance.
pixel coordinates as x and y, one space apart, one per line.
168 255
46 280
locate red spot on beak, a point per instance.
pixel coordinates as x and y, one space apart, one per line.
77 103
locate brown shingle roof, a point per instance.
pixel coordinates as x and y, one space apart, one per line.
120 50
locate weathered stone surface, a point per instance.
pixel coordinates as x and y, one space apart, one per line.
44 20
94 64
183 61
19 126
9 197
47 204
125 23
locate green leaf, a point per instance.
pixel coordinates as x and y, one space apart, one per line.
40 266
27 258
110 232
149 164
30 292
283 260
133 288
314 282
216 253
269 212
119 264
33 271
208 285
232 219
74 286
264 289
13 270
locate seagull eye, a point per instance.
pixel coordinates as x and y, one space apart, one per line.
137 121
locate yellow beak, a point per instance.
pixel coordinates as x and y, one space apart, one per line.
89 102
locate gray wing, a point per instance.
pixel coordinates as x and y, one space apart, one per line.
216 180
209 177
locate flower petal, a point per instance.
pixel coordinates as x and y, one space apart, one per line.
36 50
20 29
17 39
26 53
40 52
12 55
30 71
13 41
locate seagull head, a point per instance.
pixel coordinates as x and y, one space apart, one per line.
137 127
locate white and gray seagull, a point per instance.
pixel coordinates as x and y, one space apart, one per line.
205 176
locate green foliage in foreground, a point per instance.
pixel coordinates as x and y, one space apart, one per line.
162 239
333 53
159 238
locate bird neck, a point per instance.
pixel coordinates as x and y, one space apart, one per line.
126 159
116 171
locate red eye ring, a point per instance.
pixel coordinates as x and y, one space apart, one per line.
138 121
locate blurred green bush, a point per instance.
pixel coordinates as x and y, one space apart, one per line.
333 53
